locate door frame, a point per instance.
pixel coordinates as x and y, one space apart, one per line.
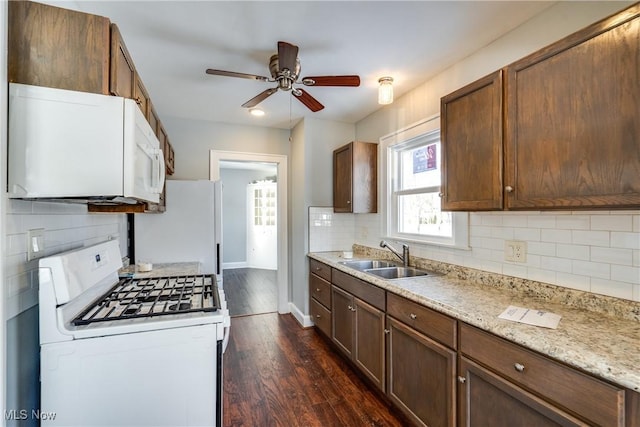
282 274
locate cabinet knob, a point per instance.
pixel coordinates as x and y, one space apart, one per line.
387 331
318 268
508 189
462 380
519 367
351 308
138 101
413 316
348 202
318 290
317 316
440 195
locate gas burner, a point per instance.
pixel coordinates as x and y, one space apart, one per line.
182 306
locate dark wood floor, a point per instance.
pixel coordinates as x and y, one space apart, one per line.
250 291
277 373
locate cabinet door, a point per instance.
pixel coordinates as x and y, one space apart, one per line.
342 309
141 96
471 132
421 376
122 70
342 179
485 399
573 120
369 342
59 48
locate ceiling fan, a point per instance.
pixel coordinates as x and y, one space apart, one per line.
285 70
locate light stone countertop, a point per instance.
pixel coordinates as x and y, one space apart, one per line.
162 270
603 345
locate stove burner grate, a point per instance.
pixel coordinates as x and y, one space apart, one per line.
136 298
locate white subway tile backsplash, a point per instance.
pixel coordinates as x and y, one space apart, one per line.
593 269
556 264
591 238
612 255
636 258
625 240
612 288
574 281
612 222
573 222
623 273
557 236
528 234
541 275
541 248
541 221
580 252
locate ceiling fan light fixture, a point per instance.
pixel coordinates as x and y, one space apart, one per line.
257 112
385 90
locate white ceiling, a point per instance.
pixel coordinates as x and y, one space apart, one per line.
173 42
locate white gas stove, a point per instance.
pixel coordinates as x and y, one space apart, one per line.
129 352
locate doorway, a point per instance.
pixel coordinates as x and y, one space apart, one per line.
258 184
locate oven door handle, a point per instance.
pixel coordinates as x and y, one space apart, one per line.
227 332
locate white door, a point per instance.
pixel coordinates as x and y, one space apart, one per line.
262 231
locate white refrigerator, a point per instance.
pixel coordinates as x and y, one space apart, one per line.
190 230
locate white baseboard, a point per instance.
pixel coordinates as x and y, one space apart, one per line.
303 319
232 265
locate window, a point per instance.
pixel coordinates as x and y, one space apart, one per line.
413 213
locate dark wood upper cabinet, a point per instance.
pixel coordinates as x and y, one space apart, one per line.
471 133
355 178
566 120
59 48
122 71
573 120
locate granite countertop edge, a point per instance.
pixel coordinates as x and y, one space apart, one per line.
602 345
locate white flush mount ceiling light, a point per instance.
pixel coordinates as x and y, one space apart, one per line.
385 91
257 112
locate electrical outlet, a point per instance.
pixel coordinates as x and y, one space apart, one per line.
515 251
35 243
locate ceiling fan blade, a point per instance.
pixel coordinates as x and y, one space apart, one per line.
287 56
352 81
307 100
260 97
234 74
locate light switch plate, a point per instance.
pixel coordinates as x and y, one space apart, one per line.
515 251
35 243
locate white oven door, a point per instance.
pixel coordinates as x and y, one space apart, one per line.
158 378
144 167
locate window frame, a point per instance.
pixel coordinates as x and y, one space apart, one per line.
414 135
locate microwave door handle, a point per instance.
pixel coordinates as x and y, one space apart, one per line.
161 171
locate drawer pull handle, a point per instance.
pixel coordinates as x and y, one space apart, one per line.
413 316
462 380
519 367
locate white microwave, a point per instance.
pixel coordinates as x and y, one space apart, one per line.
83 146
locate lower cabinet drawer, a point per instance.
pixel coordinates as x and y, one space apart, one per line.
438 326
597 401
321 317
320 289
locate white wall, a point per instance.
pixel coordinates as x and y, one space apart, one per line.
592 251
313 142
193 139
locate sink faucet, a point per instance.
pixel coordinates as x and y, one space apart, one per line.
405 252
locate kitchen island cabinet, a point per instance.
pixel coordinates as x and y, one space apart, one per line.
556 129
355 178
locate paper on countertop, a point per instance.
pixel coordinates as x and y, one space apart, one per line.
531 317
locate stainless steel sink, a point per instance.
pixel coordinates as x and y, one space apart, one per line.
368 264
397 272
